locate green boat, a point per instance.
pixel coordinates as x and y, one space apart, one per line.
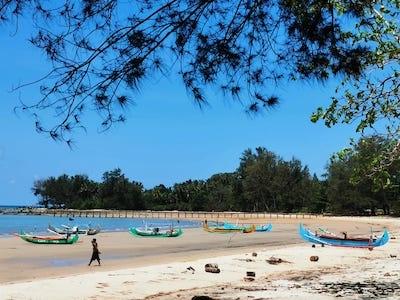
37 239
155 232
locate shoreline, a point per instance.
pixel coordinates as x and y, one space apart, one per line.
26 266
174 281
173 214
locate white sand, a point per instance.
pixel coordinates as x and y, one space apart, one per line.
138 283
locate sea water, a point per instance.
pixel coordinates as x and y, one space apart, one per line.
11 224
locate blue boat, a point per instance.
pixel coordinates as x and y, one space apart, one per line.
264 228
333 240
259 228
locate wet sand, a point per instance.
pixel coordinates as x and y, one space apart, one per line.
22 261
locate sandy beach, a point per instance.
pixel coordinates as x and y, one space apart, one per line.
136 268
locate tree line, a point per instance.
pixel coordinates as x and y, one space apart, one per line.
263 181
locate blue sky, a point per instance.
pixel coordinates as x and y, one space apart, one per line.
166 139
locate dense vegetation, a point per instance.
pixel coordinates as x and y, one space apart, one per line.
263 181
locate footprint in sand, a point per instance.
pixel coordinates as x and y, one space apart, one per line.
129 282
125 293
101 285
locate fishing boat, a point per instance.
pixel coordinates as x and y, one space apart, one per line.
345 241
65 230
222 229
74 229
155 232
40 239
259 228
93 231
264 228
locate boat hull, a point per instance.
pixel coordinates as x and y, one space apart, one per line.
229 230
93 231
260 228
152 234
66 230
48 240
311 237
264 228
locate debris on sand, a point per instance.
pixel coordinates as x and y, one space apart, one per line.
248 279
202 298
276 260
368 289
246 259
250 274
212 268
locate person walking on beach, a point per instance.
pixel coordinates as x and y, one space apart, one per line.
95 253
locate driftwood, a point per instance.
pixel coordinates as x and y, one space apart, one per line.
276 260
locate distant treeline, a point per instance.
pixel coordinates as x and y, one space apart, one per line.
263 181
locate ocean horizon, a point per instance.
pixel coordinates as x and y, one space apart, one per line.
11 224
9 206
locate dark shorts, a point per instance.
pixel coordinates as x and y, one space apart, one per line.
95 255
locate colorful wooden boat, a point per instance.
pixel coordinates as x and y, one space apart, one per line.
74 229
93 231
264 228
334 240
259 228
155 232
64 230
221 229
40 239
